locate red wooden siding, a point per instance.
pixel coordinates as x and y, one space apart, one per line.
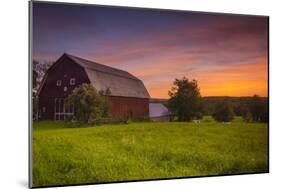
125 107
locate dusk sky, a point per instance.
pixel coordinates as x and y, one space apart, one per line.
226 54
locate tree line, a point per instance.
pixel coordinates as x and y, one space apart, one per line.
186 103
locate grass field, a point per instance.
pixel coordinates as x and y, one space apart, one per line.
136 151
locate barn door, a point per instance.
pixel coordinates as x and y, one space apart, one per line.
63 109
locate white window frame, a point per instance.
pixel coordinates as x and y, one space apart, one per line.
72 81
58 83
63 110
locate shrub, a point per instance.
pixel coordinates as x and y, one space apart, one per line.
208 119
259 109
223 113
247 116
140 120
107 120
88 103
198 115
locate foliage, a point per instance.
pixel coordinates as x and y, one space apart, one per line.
250 108
108 120
34 108
88 103
247 116
198 115
106 92
223 113
241 109
63 155
259 109
185 100
39 70
34 79
208 119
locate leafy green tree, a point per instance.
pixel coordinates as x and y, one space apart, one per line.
185 100
88 103
259 109
223 112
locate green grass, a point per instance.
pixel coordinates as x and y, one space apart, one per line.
137 151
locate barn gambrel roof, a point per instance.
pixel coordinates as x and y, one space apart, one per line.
102 77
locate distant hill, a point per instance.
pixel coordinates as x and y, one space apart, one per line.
158 100
212 98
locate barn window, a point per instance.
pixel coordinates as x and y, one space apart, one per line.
63 109
58 82
65 89
72 81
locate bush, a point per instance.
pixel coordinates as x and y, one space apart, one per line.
107 120
88 103
198 115
223 113
247 116
138 120
208 119
259 109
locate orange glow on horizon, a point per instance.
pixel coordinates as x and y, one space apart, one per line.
220 89
234 80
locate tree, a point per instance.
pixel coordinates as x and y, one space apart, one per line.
88 103
247 116
240 109
185 100
34 79
259 109
223 112
39 70
34 74
34 90
243 110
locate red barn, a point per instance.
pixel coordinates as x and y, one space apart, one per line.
129 97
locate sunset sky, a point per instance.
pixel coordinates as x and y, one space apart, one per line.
226 54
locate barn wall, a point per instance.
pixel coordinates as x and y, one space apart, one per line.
47 104
121 107
126 107
64 70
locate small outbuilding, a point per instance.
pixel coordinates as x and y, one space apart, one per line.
158 112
